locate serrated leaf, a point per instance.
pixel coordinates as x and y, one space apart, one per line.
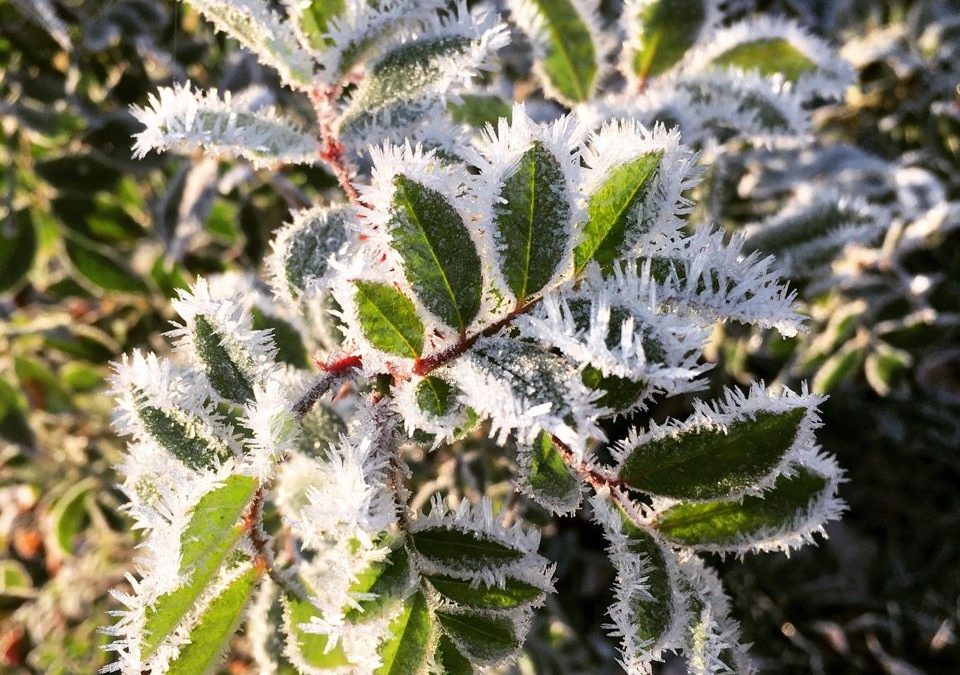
768 56
619 393
440 259
210 535
385 581
712 462
445 546
102 268
569 61
215 626
531 214
400 86
435 395
615 209
407 650
482 637
728 523
389 319
311 647
450 660
547 477
18 245
514 593
668 28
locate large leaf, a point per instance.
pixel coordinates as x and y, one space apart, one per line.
769 56
389 319
440 259
446 546
615 209
709 462
486 638
18 245
666 29
569 60
531 215
734 522
210 536
407 650
215 626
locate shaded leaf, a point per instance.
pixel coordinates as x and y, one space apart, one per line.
18 245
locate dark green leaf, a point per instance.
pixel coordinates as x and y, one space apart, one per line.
651 616
440 259
668 29
18 245
452 661
515 593
445 546
548 478
710 462
13 422
615 209
570 60
435 395
389 319
482 637
388 581
531 215
289 344
226 376
183 436
619 393
727 523
321 428
102 268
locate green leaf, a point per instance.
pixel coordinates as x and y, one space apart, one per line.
445 546
69 514
13 422
102 268
515 593
619 393
839 367
18 246
226 376
615 209
403 83
211 534
312 647
289 343
481 637
42 387
387 581
570 60
768 56
651 616
435 395
305 247
183 436
440 259
321 428
478 110
389 319
452 661
547 477
728 523
407 650
668 28
710 462
532 216
315 17
216 625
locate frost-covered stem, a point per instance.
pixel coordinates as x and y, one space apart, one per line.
434 361
332 372
599 480
331 148
253 522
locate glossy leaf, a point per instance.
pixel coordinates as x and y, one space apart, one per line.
446 546
546 477
614 210
569 61
407 650
440 259
515 593
482 637
435 396
712 462
389 319
667 29
531 215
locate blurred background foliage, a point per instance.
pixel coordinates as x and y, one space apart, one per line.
94 243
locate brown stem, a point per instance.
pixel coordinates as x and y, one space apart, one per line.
332 150
597 479
253 524
332 372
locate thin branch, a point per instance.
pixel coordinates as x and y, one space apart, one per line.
599 480
333 372
332 149
253 523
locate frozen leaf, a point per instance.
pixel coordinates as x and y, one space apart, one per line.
412 634
545 476
514 593
660 33
435 396
303 249
483 638
311 651
389 319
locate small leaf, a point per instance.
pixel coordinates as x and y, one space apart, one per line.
515 593
69 514
729 523
768 56
18 245
13 421
102 268
314 19
666 30
226 376
707 462
619 393
547 478
567 58
615 209
211 534
435 395
445 546
440 259
389 319
531 215
839 367
290 348
651 616
303 248
407 650
482 637
215 626
183 436
321 428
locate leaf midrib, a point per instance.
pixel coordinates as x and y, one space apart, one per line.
559 44
403 338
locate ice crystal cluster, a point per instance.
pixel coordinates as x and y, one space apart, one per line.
530 280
